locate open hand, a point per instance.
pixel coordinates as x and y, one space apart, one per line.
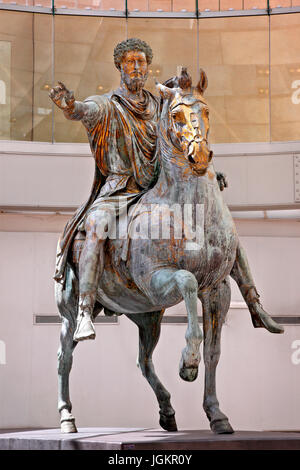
61 96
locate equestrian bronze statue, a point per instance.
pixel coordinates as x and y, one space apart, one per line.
153 170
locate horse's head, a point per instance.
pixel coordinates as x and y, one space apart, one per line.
185 116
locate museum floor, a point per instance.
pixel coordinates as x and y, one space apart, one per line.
145 439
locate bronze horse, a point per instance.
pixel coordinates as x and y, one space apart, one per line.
145 275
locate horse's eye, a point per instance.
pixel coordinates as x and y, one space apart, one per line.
178 122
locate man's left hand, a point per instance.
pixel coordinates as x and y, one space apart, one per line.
222 180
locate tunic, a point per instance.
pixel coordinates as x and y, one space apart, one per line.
122 137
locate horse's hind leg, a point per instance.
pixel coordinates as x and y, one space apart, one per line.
149 332
215 307
67 305
65 360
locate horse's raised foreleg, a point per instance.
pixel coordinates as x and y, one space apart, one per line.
215 307
149 332
168 283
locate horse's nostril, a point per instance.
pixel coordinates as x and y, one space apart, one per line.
210 155
191 159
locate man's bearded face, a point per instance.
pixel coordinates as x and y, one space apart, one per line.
134 70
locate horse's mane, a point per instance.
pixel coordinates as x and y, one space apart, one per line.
184 81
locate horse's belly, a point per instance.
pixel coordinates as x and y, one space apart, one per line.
116 290
121 298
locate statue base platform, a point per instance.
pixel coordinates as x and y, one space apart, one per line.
145 439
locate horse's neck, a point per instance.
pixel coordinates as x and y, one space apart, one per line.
176 181
172 186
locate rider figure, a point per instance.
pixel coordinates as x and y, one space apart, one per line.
121 128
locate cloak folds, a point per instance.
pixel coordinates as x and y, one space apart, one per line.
122 136
71 228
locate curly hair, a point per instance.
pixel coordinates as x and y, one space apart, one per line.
132 44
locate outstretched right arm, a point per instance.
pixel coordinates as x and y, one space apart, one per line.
74 110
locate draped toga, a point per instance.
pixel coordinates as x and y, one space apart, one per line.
122 137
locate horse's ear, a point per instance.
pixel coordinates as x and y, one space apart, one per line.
165 92
172 82
203 82
185 80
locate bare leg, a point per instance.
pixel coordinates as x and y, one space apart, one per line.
242 275
149 332
91 266
215 307
166 283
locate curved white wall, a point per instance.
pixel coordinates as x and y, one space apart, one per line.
258 376
60 175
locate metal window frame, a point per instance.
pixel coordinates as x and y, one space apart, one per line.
87 12
198 15
150 14
25 9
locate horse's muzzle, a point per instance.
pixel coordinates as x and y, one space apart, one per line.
199 156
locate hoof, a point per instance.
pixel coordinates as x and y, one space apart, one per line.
189 374
68 427
221 426
262 319
85 330
168 423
